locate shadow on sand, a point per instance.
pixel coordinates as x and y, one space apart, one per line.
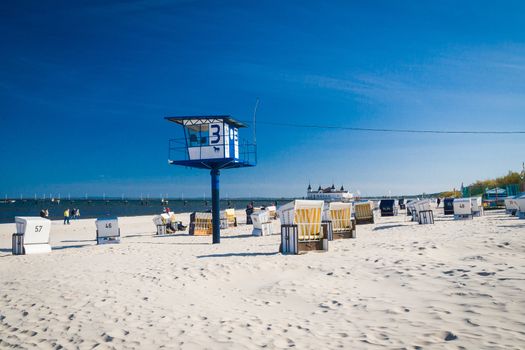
78 240
225 255
237 236
386 227
71 246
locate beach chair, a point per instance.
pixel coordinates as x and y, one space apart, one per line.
302 228
201 224
228 218
107 230
511 205
462 208
521 207
261 224
162 222
424 213
363 213
272 212
176 225
421 212
32 235
388 207
411 209
477 207
340 215
448 206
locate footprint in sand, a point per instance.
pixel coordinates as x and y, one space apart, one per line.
485 273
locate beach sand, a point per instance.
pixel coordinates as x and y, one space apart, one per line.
451 285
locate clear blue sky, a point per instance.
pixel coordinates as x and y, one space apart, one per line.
84 88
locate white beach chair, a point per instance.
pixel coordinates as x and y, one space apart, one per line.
228 218
302 228
162 222
424 213
32 235
272 212
520 201
462 208
477 206
340 214
511 206
108 230
363 213
421 211
261 224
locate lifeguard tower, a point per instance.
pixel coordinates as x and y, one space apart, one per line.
211 142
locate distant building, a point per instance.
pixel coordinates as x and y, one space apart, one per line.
329 194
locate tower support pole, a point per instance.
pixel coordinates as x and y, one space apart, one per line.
215 209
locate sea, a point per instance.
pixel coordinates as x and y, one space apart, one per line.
96 208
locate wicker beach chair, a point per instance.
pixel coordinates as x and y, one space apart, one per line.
108 230
261 224
201 224
272 212
343 226
228 218
477 206
32 235
302 228
363 213
388 207
462 208
448 206
521 207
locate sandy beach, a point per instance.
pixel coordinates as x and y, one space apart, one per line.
451 285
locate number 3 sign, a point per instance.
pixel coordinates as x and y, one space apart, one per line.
215 133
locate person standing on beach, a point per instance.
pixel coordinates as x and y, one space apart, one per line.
77 214
249 212
66 216
438 202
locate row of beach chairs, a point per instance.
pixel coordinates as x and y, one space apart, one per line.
307 225
303 224
33 234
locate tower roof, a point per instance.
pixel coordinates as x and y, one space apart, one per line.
205 119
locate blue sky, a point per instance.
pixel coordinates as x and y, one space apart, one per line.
84 88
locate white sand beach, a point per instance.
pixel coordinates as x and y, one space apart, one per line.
451 285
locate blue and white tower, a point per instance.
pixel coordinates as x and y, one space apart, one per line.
211 142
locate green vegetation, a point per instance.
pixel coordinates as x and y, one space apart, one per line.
478 187
450 194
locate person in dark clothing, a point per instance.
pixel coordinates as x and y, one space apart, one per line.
249 212
438 202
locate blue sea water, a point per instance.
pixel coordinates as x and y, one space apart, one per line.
100 208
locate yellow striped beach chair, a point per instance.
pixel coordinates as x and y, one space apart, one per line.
363 213
340 214
200 224
301 227
228 218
